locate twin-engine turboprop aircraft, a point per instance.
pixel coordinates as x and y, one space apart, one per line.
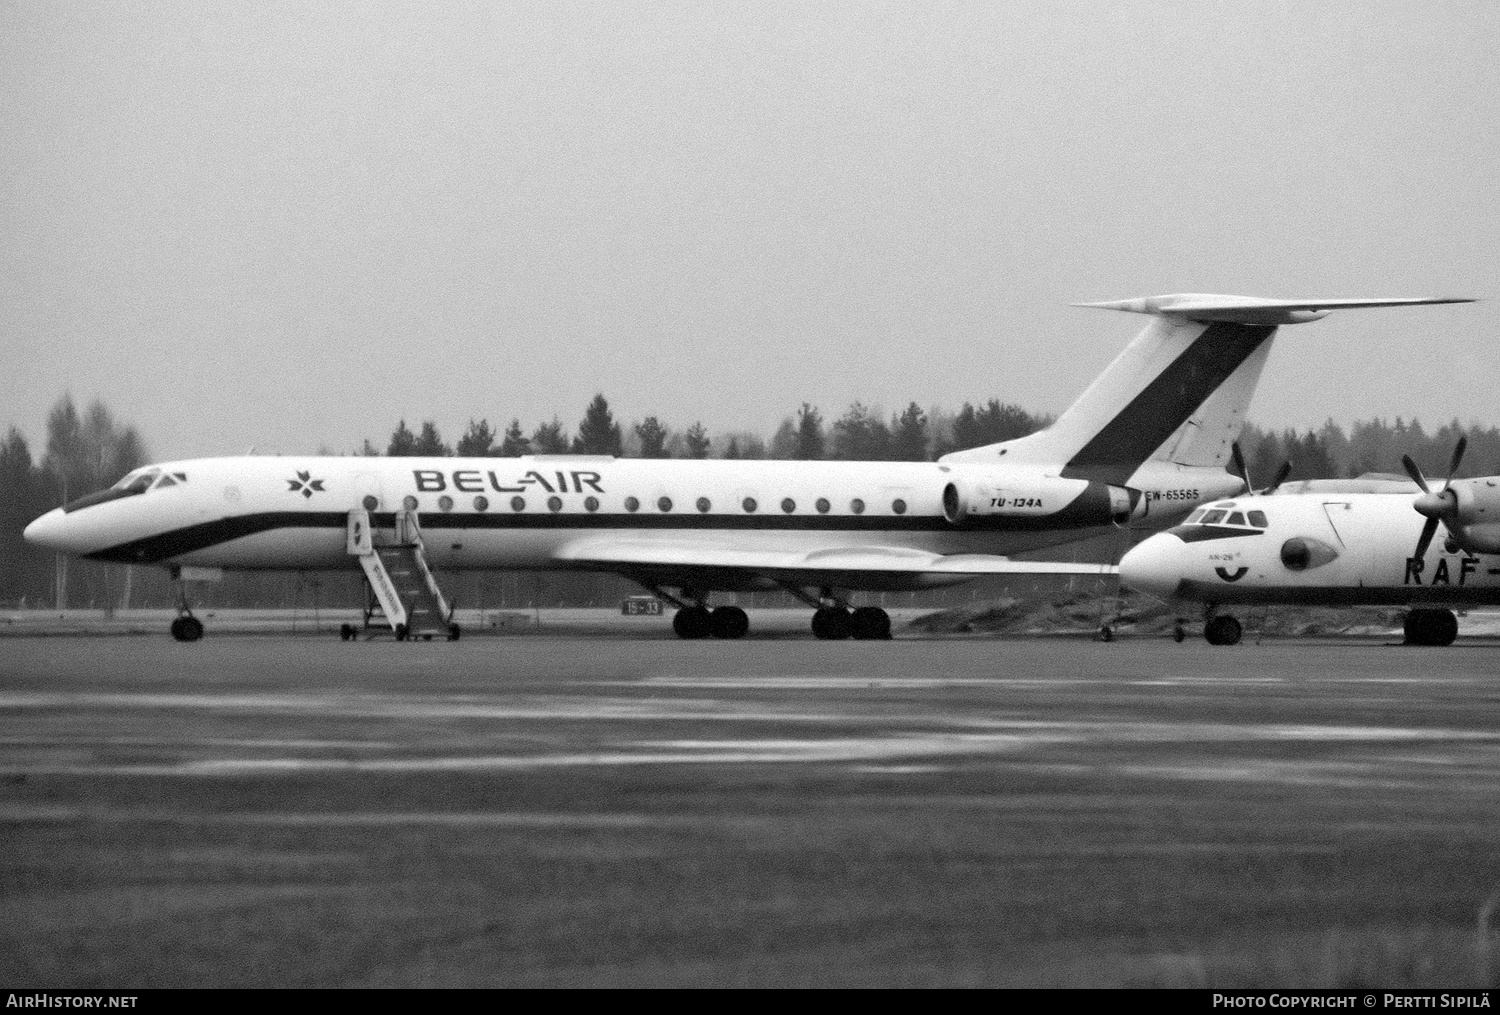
1145 444
1333 543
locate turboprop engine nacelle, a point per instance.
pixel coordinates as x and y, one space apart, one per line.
1474 513
970 495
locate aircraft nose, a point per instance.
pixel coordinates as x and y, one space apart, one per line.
49 531
1154 567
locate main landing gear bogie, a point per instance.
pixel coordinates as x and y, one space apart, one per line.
724 622
829 623
865 623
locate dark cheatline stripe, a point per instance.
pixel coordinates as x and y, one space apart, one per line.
1344 595
1089 509
1204 533
1166 403
165 545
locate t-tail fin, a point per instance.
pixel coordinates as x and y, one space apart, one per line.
1178 392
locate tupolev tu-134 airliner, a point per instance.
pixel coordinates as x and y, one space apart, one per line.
1146 443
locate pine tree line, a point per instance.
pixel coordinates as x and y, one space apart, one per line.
1372 446
861 434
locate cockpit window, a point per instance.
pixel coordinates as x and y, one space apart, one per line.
1214 517
1258 519
1235 519
163 482
135 483
132 484
1196 516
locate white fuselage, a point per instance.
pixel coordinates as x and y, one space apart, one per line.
482 513
1313 548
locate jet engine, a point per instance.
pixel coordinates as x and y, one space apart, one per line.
972 495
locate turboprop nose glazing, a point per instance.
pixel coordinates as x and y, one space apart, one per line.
1154 567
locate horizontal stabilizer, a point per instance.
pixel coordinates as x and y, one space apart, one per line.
1253 309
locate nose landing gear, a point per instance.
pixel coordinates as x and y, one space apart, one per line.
187 628
1223 630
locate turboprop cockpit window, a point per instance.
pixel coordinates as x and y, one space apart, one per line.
1214 517
132 484
1258 519
1235 519
1196 516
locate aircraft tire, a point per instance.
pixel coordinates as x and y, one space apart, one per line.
347 632
1445 628
1179 634
1106 633
400 632
870 623
1222 631
832 623
454 631
187 629
692 623
1430 627
729 622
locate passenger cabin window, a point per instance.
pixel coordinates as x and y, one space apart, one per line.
1235 519
1258 519
1214 517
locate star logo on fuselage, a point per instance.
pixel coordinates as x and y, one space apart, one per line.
305 484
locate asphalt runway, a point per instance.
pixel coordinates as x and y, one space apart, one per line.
267 811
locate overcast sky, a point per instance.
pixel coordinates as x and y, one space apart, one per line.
290 225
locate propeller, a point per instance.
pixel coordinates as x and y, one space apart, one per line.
1237 458
1437 506
1281 474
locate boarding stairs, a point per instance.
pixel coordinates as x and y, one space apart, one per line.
403 586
